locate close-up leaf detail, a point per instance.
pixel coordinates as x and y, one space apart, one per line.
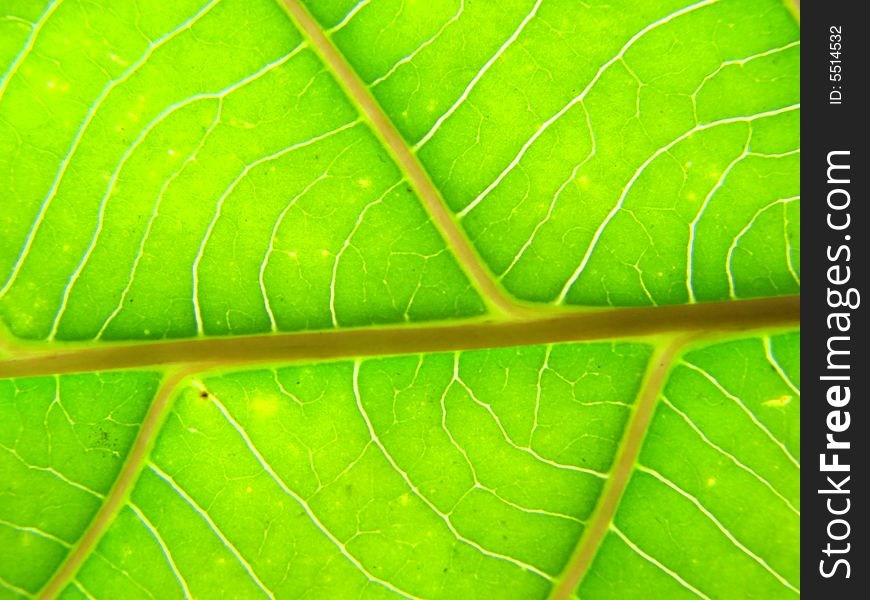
389 298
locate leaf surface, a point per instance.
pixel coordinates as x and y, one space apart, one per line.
468 248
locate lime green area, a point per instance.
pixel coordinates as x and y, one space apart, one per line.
619 153
193 169
713 506
426 476
63 440
432 476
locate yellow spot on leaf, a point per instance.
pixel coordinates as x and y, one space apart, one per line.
780 402
264 405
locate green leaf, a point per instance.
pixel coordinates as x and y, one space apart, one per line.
724 442
651 138
63 441
372 298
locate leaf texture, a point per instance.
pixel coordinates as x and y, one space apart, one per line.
351 187
657 140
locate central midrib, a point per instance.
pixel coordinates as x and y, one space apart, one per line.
617 323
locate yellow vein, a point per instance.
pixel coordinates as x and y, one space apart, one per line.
789 261
640 170
539 390
558 193
498 54
768 352
35 531
14 588
123 572
730 456
724 530
220 203
477 482
28 46
54 472
110 188
264 264
85 592
655 562
579 98
163 548
140 253
410 57
445 518
152 46
340 253
166 477
690 246
308 511
739 61
729 271
349 16
524 449
791 458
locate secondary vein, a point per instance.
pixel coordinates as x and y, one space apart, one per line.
620 474
403 156
123 484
